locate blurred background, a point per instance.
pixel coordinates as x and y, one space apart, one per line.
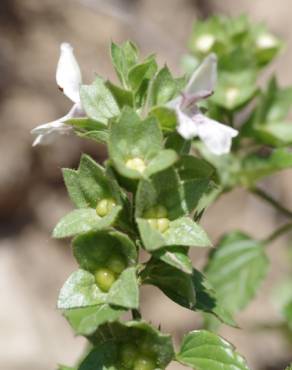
33 267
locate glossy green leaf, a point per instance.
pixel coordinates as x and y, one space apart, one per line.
85 321
98 102
203 350
83 220
236 269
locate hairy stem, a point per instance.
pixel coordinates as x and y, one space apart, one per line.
266 197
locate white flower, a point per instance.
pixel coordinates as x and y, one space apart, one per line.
191 122
69 79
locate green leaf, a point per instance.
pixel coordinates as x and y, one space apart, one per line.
98 102
203 350
123 97
255 167
124 57
83 220
236 269
125 291
131 138
89 184
101 136
175 284
141 72
166 118
178 189
235 89
102 357
86 124
164 87
85 321
178 143
92 250
138 332
176 257
181 232
289 367
81 290
192 291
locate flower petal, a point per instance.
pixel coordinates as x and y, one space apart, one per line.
216 136
202 83
187 128
47 131
68 75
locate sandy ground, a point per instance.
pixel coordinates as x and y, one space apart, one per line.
33 267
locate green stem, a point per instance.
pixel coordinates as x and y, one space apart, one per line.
266 197
278 232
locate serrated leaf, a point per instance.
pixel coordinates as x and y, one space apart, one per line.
203 350
83 220
89 184
192 291
85 321
98 102
174 283
236 269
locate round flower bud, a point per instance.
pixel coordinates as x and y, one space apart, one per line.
104 207
136 164
128 355
162 224
104 279
117 263
144 363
